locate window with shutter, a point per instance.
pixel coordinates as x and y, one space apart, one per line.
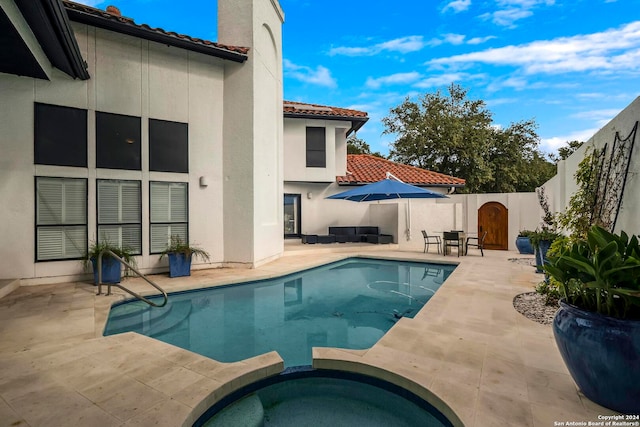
168 213
61 218
120 214
316 147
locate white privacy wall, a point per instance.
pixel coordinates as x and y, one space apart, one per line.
396 217
563 185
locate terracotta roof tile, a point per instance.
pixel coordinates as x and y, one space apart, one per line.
292 108
114 15
365 168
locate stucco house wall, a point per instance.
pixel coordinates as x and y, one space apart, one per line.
234 147
295 169
253 132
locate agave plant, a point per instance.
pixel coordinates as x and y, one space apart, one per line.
601 273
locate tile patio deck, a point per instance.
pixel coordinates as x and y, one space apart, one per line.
468 352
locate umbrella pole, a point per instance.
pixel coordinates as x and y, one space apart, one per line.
408 214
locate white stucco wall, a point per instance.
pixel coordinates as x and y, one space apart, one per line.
253 129
128 76
295 155
397 217
563 185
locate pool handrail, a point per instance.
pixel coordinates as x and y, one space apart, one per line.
126 264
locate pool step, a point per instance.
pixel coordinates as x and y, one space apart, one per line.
147 320
247 412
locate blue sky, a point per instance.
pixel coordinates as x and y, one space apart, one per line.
570 65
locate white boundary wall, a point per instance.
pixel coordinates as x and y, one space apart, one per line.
563 185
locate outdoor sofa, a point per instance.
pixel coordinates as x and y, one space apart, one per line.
349 234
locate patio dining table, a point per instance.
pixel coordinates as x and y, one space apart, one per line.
462 236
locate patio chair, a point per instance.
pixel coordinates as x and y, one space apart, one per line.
431 240
479 243
451 239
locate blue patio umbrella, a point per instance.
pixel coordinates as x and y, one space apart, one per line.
386 189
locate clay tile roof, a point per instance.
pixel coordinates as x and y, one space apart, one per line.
292 108
113 20
365 169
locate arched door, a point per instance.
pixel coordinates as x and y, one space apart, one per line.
494 219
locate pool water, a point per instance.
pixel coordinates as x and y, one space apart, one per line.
349 304
323 398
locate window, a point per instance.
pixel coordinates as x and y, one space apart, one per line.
169 213
61 218
118 141
168 146
119 214
60 136
316 147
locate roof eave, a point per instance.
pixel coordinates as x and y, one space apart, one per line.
143 33
356 122
51 26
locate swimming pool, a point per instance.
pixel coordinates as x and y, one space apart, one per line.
348 304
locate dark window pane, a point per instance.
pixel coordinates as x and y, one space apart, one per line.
117 141
60 136
168 146
316 147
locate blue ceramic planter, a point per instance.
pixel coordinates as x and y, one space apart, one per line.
541 254
603 356
524 245
110 270
179 265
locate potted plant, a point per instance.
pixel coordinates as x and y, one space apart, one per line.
180 254
541 240
597 328
544 235
523 243
111 267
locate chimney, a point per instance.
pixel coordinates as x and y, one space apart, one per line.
113 10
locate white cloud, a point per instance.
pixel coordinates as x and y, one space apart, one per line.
402 45
613 50
507 17
514 10
320 76
516 83
457 6
398 78
552 144
454 39
480 40
601 117
440 80
457 39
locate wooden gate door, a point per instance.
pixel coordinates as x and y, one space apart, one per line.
493 217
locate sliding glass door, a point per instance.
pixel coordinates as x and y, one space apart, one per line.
292 215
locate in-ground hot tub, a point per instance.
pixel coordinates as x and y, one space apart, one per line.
314 397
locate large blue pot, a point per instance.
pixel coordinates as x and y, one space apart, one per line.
523 244
602 354
179 264
111 269
541 254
